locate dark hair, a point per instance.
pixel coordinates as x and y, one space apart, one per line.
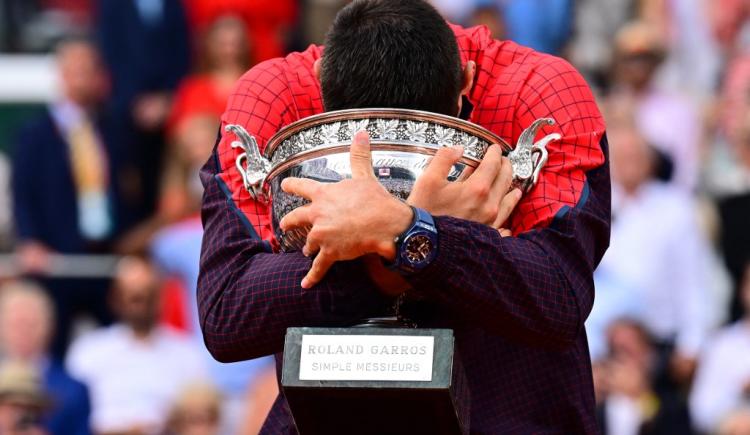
391 53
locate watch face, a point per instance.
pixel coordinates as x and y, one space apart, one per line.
418 248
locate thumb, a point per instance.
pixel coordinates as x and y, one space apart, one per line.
360 157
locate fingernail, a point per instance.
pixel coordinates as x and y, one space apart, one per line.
518 193
361 136
305 283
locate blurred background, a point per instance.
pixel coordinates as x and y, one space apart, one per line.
108 108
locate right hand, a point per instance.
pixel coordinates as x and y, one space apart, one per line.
484 197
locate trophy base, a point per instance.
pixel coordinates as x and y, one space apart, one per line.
372 379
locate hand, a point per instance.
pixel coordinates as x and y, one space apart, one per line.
150 111
682 368
33 257
348 219
484 197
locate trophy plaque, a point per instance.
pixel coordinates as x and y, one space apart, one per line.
387 375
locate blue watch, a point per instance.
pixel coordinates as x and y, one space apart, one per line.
416 247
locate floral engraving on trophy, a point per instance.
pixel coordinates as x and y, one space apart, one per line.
329 133
356 125
387 129
444 136
417 131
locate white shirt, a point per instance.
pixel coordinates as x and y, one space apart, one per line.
723 371
132 381
657 247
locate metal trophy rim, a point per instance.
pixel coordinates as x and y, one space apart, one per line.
374 113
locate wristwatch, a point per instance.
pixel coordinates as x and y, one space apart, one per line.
416 247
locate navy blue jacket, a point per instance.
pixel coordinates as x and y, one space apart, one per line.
45 206
71 407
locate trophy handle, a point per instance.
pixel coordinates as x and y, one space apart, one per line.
251 164
528 158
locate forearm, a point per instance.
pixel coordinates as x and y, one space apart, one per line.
537 288
248 296
245 314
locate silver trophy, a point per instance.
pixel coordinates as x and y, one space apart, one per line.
402 143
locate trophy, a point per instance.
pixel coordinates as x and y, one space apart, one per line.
387 375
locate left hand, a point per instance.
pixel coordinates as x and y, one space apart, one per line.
348 219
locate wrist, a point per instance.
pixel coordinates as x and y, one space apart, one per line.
400 218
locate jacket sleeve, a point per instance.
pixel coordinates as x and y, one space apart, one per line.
536 287
247 294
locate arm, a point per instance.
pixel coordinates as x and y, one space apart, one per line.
536 287
247 295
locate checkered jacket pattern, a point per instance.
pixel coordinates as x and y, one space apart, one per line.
517 304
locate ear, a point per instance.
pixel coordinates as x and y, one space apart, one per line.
468 77
468 82
316 68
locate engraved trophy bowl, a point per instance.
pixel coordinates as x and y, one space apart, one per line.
402 143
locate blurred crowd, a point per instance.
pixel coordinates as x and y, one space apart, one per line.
110 167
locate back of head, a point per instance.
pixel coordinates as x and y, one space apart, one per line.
391 53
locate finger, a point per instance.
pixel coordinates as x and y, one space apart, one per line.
489 168
299 217
303 187
442 162
504 232
507 205
311 247
360 157
504 179
320 266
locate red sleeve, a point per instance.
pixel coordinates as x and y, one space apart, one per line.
555 89
268 97
513 87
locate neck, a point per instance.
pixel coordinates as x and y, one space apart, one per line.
142 332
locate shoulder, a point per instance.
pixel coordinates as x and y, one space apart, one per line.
271 78
59 376
40 125
98 340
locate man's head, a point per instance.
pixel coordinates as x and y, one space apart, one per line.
26 319
23 400
392 53
82 76
136 294
633 161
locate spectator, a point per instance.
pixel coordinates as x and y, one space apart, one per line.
722 383
543 25
23 401
591 49
63 185
225 58
176 248
197 411
630 402
640 49
656 248
738 423
26 319
267 21
6 209
146 46
490 15
135 368
727 173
